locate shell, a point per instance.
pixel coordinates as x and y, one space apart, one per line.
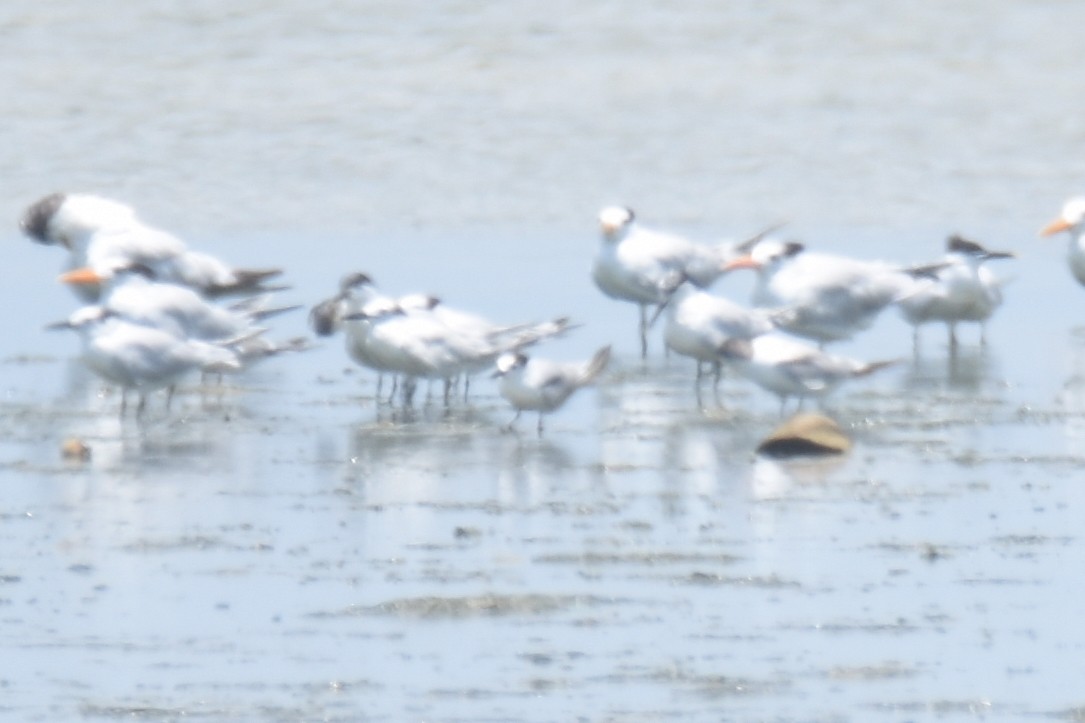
805 434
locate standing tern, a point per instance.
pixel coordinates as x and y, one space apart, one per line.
418 343
962 289
791 368
1072 220
131 292
99 232
543 385
830 297
645 266
419 336
698 323
139 357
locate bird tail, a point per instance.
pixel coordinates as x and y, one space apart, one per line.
528 334
247 281
595 366
259 307
746 245
871 367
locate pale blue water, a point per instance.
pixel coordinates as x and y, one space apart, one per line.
283 549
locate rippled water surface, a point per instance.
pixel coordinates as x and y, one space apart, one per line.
284 547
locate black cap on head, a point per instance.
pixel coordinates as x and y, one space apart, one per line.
792 248
962 245
35 221
356 278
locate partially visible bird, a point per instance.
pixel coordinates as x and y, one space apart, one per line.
543 385
961 289
698 323
1072 220
791 368
99 232
139 357
644 266
419 336
830 297
129 290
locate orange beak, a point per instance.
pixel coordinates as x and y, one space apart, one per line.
609 227
85 275
1054 227
742 262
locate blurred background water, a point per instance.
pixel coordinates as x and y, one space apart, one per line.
285 549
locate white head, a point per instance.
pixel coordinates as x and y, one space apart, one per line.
508 361
766 254
615 220
1073 211
1072 216
61 218
84 318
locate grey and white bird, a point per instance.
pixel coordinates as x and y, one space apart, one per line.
791 368
131 292
418 337
141 358
420 343
99 232
831 297
698 323
543 385
961 289
1072 221
644 266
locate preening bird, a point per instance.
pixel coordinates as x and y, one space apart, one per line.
99 233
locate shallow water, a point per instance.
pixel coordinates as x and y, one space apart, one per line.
283 547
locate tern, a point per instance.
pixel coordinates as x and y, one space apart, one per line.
791 368
830 297
138 357
1072 220
99 232
543 385
644 266
130 291
963 289
421 343
423 334
698 323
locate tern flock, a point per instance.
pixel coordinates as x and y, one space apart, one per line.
157 310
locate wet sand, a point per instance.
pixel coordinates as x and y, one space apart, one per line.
284 547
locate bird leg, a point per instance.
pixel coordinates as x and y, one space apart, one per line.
717 370
643 331
409 385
